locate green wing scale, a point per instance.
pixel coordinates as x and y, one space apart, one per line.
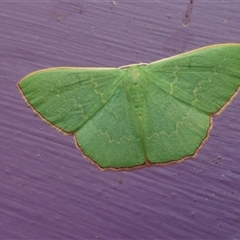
141 113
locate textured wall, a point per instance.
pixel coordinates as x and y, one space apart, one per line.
48 190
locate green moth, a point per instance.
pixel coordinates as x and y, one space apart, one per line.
141 113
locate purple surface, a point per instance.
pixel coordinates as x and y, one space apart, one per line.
48 190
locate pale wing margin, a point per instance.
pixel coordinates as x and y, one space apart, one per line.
205 78
68 97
